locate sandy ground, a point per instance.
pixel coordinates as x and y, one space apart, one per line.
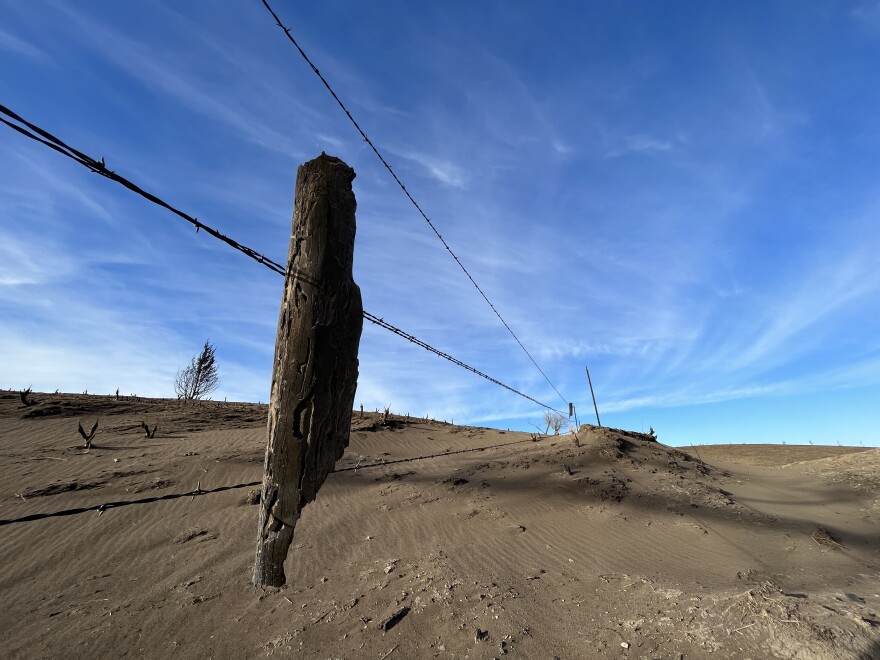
618 548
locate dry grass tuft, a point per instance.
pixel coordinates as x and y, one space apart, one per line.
765 603
823 537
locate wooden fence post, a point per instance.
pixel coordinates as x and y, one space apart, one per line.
315 371
593 394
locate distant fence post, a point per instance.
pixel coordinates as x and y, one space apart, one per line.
314 376
592 394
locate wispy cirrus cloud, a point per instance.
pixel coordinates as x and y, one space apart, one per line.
641 144
868 14
11 43
157 71
441 170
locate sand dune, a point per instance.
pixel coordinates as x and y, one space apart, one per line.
620 547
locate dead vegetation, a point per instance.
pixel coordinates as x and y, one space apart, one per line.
554 421
88 437
796 626
823 537
23 395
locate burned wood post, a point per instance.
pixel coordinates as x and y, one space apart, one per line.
315 372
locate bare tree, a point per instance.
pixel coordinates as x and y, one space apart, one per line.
200 377
554 421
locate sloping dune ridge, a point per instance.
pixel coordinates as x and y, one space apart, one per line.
606 544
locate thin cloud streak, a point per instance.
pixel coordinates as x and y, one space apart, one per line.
142 63
13 44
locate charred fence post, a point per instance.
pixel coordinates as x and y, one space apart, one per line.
315 371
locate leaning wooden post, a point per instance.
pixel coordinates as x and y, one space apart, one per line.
316 366
593 394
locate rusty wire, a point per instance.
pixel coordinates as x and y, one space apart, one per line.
406 192
42 136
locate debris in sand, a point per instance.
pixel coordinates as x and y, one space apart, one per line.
202 534
57 489
188 583
862 621
195 600
823 537
393 648
481 635
766 602
455 481
389 622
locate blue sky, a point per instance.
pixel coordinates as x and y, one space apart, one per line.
685 196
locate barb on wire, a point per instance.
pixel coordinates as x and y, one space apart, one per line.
406 192
42 136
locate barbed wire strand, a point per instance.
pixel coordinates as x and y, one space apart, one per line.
99 167
348 114
44 137
415 340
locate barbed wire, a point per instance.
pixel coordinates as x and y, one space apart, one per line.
46 138
99 167
415 340
406 192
